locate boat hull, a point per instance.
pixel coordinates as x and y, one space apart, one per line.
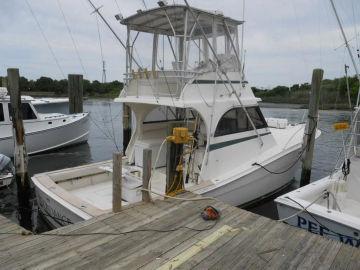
319 225
55 210
51 138
258 184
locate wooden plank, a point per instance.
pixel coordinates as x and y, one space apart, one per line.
328 255
342 259
125 246
188 241
291 249
230 249
258 243
63 246
312 257
146 256
117 182
198 247
266 248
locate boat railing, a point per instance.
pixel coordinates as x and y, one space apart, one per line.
159 83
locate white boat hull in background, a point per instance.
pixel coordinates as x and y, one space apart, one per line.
48 135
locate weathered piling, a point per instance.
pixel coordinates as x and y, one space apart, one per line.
20 154
147 154
126 126
75 89
117 179
310 130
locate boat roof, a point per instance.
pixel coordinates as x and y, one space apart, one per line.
156 20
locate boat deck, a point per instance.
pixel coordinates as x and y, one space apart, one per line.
171 234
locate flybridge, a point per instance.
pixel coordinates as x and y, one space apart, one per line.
185 40
172 20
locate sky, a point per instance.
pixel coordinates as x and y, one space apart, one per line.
284 39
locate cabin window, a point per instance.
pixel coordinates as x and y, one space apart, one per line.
235 121
257 117
2 117
27 111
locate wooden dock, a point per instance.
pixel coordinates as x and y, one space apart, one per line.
164 240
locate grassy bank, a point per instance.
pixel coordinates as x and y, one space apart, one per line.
333 94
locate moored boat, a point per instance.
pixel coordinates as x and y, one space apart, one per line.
331 206
43 132
236 155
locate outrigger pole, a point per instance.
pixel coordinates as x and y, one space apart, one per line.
96 10
348 48
223 72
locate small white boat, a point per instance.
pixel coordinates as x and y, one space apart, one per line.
43 132
331 206
6 171
239 157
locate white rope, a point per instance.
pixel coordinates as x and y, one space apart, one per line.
180 199
304 209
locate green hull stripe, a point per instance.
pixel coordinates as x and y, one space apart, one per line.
213 82
228 143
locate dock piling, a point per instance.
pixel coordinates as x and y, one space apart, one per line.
20 154
147 154
117 181
310 130
75 88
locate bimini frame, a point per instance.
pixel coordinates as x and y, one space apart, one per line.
186 23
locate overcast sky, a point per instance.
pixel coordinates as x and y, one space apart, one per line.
284 39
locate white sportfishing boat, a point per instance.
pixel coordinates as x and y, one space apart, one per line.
43 132
331 206
236 155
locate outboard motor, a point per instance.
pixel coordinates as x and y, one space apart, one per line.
6 165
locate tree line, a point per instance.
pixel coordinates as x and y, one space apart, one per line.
60 87
333 93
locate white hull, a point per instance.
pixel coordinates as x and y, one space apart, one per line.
55 210
50 138
322 215
322 225
258 184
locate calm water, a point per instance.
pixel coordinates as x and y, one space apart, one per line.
106 137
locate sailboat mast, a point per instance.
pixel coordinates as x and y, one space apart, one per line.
348 48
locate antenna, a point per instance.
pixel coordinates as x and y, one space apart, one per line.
97 10
348 48
103 79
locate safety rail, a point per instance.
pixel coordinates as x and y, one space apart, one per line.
159 83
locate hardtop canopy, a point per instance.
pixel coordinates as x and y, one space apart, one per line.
166 20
